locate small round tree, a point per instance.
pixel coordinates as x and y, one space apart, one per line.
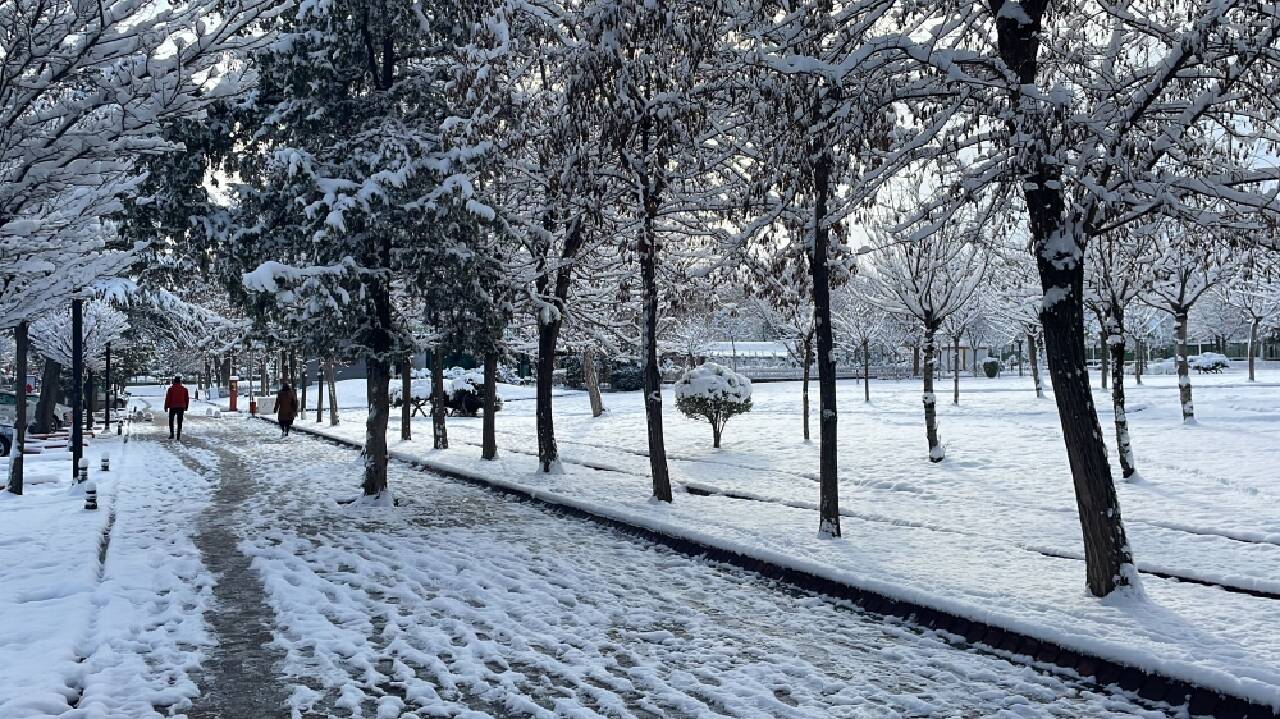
713 393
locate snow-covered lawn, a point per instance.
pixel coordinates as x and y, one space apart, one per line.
991 533
113 639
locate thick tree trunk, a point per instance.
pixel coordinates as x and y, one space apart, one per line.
807 360
548 452
1253 345
955 345
1108 559
828 480
439 408
1184 368
489 442
915 361
1115 344
866 370
648 255
406 400
378 375
1034 357
46 405
715 435
936 452
331 374
592 381
20 409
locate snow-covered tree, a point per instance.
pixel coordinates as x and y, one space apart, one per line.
928 279
1183 267
714 393
102 324
1254 292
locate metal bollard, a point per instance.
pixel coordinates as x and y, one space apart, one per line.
84 471
91 496
106 463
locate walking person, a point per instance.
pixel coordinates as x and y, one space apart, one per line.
176 402
286 408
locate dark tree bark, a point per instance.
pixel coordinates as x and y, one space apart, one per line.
1106 354
107 392
955 370
548 452
226 372
489 443
1253 345
20 410
828 480
592 381
91 399
548 337
304 379
936 453
1139 360
866 370
1108 560
1034 357
46 406
439 408
331 375
320 387
406 400
1115 344
377 374
807 360
77 383
915 361
1184 367
648 256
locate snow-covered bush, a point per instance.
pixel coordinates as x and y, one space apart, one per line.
991 367
713 393
1210 362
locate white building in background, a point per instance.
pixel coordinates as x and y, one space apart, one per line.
746 355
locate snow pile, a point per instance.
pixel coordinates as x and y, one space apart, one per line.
714 382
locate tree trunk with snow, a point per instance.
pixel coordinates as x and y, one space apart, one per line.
592 381
406 400
1115 338
1184 367
489 438
1139 360
304 379
1253 345
1034 357
439 408
915 361
20 409
828 481
331 373
936 453
648 256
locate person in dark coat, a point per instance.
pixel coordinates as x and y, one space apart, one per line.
286 408
176 402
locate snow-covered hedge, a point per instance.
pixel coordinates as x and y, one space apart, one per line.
714 393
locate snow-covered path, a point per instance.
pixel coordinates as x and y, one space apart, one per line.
460 602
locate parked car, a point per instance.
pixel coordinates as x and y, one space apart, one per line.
7 439
9 406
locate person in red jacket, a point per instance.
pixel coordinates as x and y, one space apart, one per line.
176 402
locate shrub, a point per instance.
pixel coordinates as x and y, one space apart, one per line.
573 376
713 393
627 378
991 367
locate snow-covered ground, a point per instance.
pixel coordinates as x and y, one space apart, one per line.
990 534
84 638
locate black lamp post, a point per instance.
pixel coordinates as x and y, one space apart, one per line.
77 383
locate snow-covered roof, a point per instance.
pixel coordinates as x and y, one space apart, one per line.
746 349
